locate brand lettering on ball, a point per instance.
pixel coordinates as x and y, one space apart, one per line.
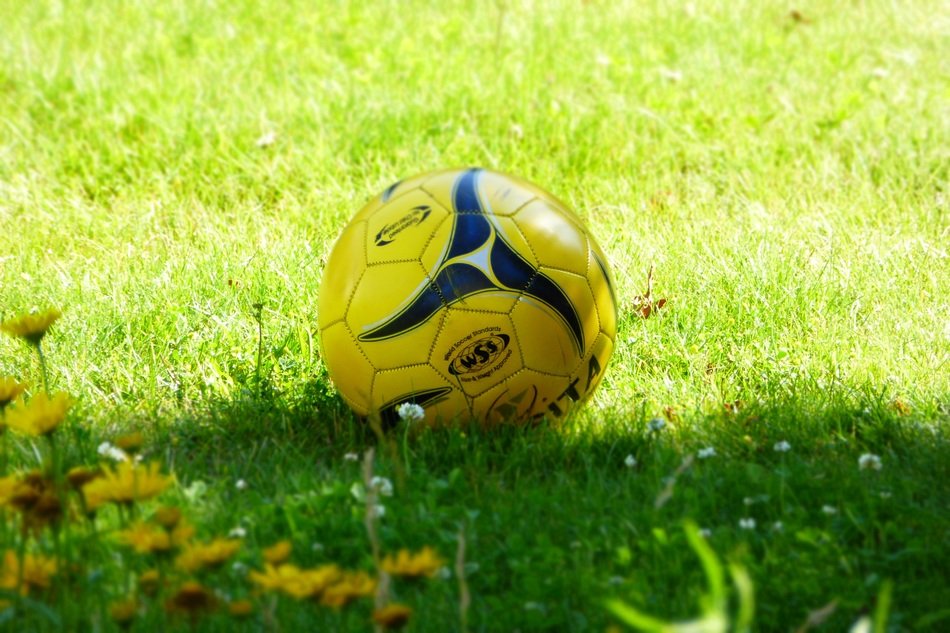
414 217
478 354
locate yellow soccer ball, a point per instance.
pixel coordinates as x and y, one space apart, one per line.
473 294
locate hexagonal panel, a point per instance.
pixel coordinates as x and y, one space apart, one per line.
351 372
476 350
395 314
524 398
341 274
601 285
557 240
401 229
422 385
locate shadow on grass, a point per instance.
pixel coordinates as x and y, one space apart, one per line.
560 517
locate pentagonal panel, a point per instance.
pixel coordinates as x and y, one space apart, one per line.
401 229
473 255
476 350
351 372
341 275
395 314
557 240
421 385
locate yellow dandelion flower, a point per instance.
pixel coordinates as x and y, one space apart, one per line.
10 388
127 484
352 585
130 442
167 517
35 573
424 563
8 487
295 582
31 327
145 538
240 608
392 616
40 416
192 599
207 555
277 553
150 581
123 612
79 476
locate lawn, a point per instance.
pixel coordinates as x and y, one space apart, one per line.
768 451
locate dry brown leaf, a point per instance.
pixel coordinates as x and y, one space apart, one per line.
643 305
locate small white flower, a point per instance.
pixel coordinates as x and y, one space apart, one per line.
885 494
379 510
239 568
869 461
316 547
706 453
382 486
705 532
656 425
116 454
351 457
782 447
444 573
238 532
829 510
410 412
630 461
748 501
267 139
747 523
778 526
240 484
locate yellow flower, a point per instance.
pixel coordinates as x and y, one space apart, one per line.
8 486
277 553
31 327
392 616
35 574
352 585
79 476
145 538
202 555
40 416
424 563
123 612
130 442
191 598
150 581
128 483
240 608
295 582
10 388
167 517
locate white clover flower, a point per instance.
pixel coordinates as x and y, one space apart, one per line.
747 523
116 454
869 461
240 484
382 486
630 461
351 457
829 510
706 453
379 510
410 412
656 425
782 447
237 532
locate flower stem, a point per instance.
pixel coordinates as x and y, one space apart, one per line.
39 351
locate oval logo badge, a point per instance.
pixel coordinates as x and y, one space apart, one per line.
414 217
478 354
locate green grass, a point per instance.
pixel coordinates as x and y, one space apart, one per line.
786 177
